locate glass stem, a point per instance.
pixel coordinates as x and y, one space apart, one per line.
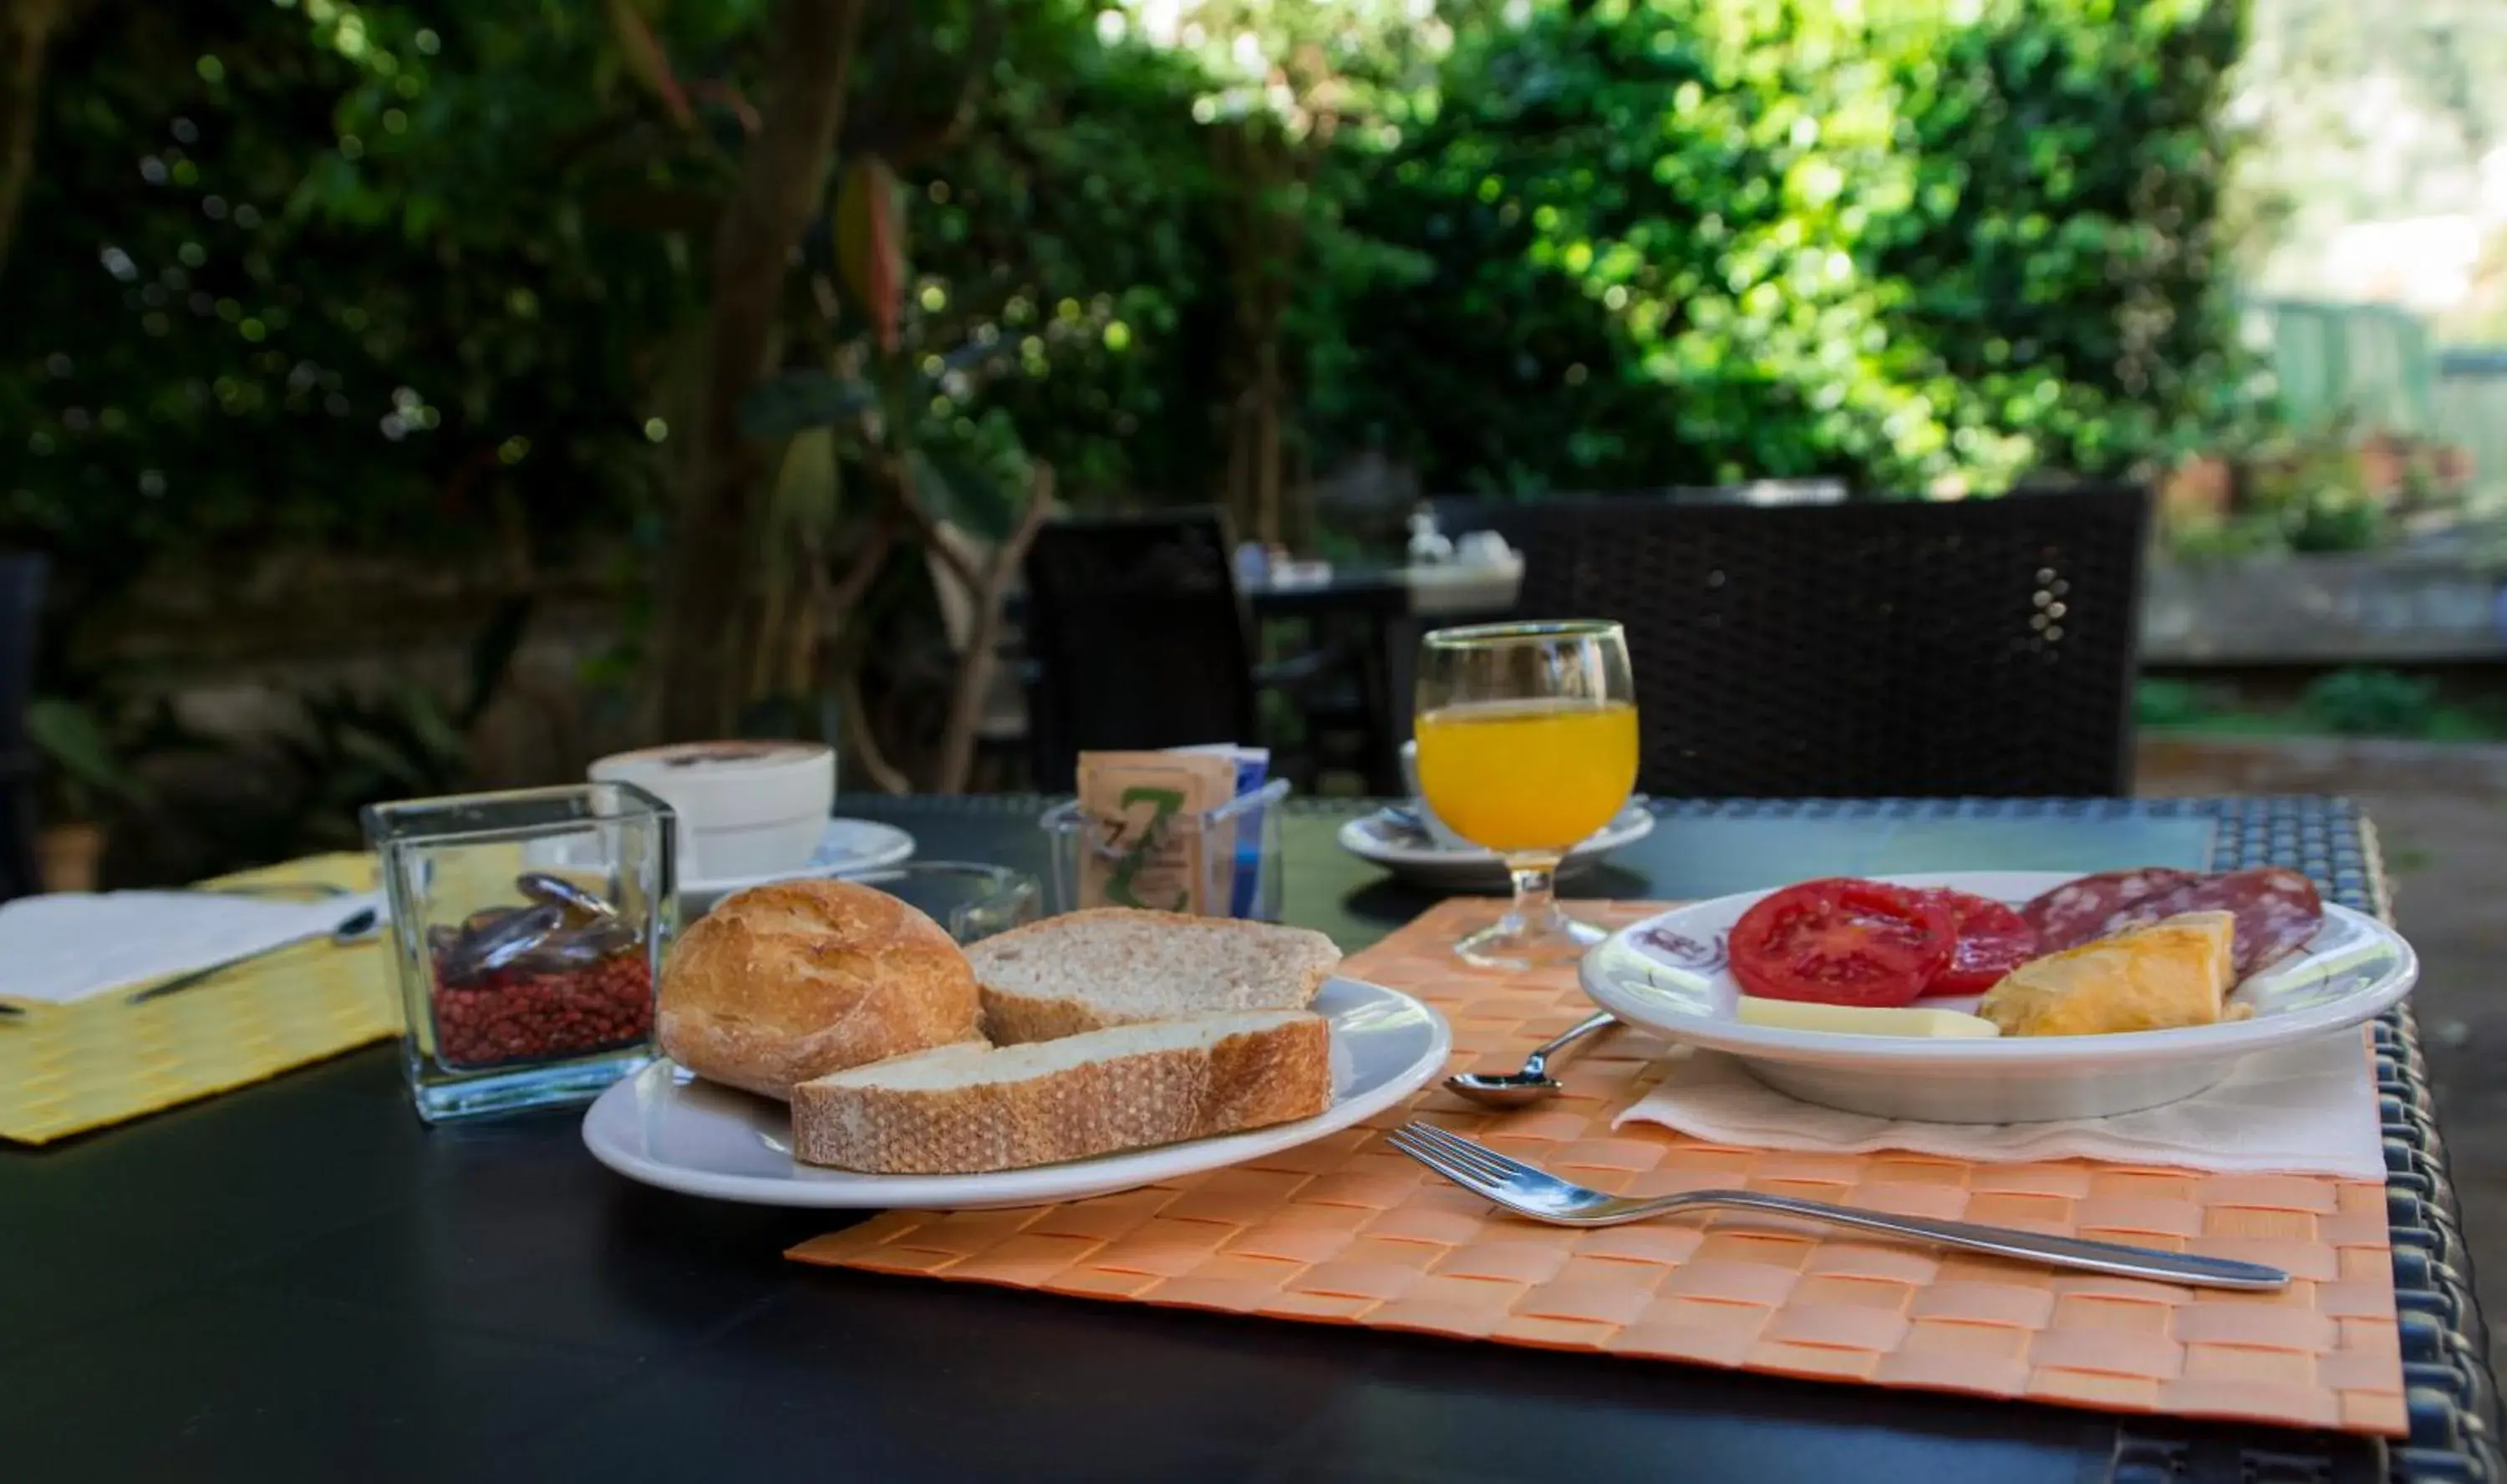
1535 901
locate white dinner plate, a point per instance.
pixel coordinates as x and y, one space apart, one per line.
664 1127
1669 973
1375 838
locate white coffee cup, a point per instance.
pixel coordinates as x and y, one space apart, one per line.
1437 829
746 809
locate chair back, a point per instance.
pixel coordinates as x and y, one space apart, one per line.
1459 515
1902 648
21 601
1138 639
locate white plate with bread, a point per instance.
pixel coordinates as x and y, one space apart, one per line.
2123 1014
830 1046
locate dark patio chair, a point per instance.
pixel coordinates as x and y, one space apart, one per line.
1913 648
21 597
1137 638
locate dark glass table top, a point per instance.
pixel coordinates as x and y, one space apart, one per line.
299 1281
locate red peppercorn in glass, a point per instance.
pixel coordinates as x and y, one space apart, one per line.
519 1015
529 928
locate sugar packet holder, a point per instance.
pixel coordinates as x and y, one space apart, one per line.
1225 860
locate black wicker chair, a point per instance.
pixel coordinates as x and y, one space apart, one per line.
1458 515
21 597
1913 648
1136 638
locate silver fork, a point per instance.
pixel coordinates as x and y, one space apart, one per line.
1527 1191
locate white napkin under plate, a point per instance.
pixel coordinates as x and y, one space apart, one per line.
66 946
2304 1110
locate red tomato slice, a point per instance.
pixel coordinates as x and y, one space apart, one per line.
1841 942
1992 941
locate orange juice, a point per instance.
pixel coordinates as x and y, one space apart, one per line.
1528 775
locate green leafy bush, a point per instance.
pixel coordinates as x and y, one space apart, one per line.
2161 701
1686 242
240 314
2373 703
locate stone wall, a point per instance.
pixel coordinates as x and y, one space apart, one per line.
2347 609
233 652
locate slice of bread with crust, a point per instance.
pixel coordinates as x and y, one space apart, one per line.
1117 965
961 1109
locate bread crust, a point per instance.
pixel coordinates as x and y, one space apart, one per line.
1013 1017
796 979
1122 1101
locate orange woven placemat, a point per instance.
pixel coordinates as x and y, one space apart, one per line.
1344 1230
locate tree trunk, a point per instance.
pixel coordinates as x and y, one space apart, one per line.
27 28
974 676
783 176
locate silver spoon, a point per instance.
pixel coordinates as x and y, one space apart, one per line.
1521 1089
353 928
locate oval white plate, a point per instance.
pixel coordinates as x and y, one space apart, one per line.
1669 973
665 1128
1477 870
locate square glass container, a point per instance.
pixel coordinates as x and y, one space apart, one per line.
527 930
1239 856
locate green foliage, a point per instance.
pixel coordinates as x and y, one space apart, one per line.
2065 260
1069 226
1694 242
2373 703
452 245
85 769
425 275
239 315
2160 701
2358 701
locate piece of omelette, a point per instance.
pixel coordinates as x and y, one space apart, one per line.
2174 972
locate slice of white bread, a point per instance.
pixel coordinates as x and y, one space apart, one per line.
1120 966
960 1109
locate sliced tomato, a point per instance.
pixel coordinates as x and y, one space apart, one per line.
1842 941
1992 941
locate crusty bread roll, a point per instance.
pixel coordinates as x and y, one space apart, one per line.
796 979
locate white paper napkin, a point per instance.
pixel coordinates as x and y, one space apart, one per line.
2304 1110
67 946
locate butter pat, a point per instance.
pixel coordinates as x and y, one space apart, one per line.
1859 1020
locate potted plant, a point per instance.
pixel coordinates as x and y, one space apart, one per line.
84 785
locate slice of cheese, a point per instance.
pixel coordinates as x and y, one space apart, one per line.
2172 974
1858 1020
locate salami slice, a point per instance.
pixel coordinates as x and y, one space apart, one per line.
2276 911
2077 911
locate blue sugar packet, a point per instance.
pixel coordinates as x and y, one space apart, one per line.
1253 771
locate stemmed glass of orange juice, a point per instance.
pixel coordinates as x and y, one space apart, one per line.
1527 738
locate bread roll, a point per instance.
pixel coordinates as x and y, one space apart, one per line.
796 979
